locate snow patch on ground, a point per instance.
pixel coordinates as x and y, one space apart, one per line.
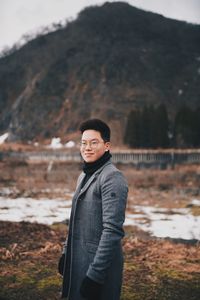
160 222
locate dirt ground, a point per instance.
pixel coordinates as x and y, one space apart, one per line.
155 269
167 188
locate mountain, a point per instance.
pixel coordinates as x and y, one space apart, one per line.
110 60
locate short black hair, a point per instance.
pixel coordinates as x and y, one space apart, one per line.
98 125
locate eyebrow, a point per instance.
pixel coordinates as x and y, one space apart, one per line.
90 140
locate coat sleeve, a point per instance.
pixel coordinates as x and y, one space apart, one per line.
114 191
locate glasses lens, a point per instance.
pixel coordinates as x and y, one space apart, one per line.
92 144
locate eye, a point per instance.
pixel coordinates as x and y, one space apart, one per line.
94 143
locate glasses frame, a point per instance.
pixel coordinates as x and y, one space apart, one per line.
93 144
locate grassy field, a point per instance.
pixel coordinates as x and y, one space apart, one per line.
154 269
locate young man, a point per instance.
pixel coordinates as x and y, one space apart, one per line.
92 260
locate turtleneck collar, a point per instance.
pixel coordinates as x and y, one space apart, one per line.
90 168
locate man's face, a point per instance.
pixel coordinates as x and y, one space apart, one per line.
92 145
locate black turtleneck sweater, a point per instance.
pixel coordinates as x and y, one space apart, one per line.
90 168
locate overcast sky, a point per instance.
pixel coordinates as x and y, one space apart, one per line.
18 17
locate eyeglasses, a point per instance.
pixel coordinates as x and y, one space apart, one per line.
92 144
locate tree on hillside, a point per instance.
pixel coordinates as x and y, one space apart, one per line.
161 127
147 125
133 129
187 127
147 128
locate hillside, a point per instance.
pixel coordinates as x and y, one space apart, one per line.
108 61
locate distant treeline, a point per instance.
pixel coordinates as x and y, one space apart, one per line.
150 128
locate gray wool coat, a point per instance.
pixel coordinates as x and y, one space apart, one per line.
93 246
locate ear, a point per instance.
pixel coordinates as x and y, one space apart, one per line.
107 145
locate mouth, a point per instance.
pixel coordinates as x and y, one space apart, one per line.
88 154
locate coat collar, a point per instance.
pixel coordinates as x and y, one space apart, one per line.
90 180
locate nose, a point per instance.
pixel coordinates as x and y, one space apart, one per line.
88 146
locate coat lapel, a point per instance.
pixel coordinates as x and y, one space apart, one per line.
91 179
78 187
88 183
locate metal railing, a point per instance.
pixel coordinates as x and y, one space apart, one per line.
135 157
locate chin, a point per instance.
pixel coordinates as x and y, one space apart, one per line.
89 159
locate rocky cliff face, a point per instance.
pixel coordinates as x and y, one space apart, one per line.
108 61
